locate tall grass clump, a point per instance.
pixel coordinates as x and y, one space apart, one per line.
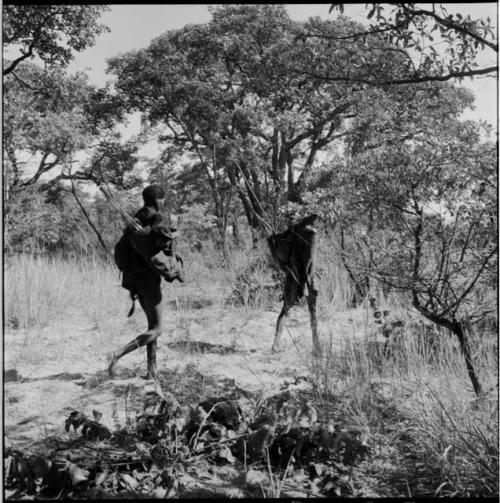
335 286
459 436
204 268
256 279
40 289
36 289
414 395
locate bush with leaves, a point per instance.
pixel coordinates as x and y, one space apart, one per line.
168 443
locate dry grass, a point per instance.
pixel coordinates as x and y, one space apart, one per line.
39 290
49 301
426 426
35 290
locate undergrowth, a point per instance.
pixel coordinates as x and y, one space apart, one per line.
277 445
431 436
394 385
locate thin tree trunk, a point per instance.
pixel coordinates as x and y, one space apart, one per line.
455 327
87 216
465 347
223 242
360 288
440 318
236 232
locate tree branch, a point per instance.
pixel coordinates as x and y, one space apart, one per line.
18 60
31 48
319 126
27 84
448 23
476 277
410 80
42 169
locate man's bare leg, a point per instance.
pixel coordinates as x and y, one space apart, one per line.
153 310
289 298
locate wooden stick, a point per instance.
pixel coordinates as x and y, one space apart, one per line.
120 210
222 442
267 225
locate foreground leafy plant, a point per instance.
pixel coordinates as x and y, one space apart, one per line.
158 453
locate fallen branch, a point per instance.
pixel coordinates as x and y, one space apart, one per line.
222 442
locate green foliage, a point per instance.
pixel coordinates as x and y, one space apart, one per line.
231 92
57 127
50 32
58 118
38 222
49 119
197 224
432 182
414 31
54 120
416 202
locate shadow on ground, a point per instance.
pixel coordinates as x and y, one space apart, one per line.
201 347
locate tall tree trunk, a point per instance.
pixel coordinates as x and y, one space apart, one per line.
300 184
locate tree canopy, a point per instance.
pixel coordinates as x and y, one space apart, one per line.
54 121
229 91
415 31
50 32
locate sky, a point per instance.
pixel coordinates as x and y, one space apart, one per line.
134 26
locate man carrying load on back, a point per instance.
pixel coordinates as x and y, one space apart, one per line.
295 251
144 256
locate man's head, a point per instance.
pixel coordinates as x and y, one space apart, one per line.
154 196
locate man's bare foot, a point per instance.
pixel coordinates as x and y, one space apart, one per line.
111 364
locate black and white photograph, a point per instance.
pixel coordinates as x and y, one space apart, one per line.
250 251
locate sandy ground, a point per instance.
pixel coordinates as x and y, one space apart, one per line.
62 367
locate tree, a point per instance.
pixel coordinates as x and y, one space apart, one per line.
58 129
46 222
420 212
187 197
61 119
413 31
226 92
51 32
